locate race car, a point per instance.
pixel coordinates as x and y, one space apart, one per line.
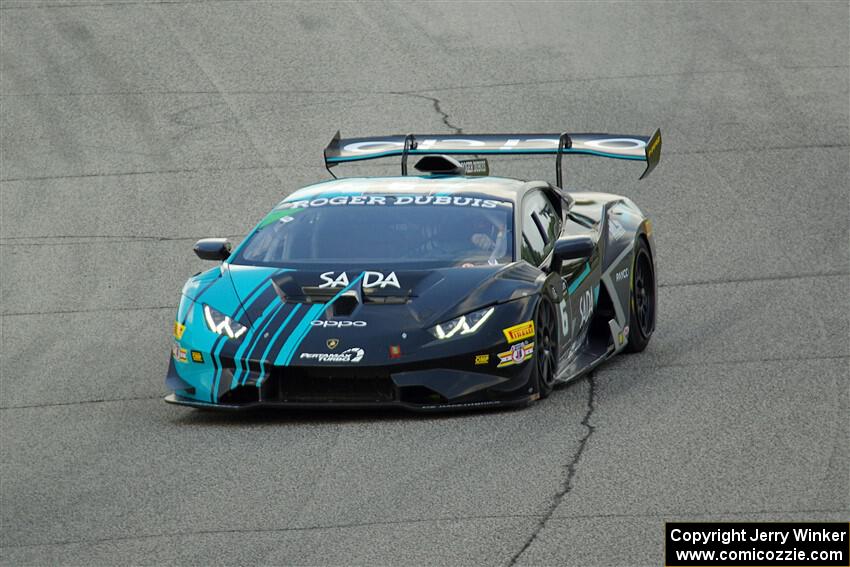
449 289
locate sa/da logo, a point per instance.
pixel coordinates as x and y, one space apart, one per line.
370 279
585 306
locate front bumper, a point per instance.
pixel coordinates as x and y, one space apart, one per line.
413 388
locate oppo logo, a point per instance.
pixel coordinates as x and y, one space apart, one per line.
338 324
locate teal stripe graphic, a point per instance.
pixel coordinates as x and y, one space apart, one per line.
295 339
272 342
577 282
298 334
221 340
250 339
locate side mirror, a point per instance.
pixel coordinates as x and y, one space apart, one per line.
573 247
212 249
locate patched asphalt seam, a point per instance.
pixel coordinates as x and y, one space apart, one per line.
439 110
95 310
70 240
630 369
260 530
82 402
757 279
570 468
191 533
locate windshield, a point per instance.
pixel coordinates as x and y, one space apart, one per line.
440 230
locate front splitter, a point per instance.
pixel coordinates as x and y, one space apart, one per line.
467 406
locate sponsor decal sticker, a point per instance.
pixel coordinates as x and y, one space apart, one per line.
388 201
352 355
498 144
179 329
476 166
178 353
337 324
332 343
517 354
565 317
519 332
585 306
615 144
197 356
622 274
482 359
370 280
395 351
278 215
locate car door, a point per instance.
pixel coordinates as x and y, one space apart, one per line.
541 227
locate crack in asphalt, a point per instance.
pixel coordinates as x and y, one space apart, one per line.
571 468
437 108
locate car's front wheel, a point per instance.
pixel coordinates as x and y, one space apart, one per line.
546 349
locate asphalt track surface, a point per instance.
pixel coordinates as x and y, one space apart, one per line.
131 129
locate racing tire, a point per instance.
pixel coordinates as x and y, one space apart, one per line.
642 300
546 347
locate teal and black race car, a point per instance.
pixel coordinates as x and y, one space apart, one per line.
446 289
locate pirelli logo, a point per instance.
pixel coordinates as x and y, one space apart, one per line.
519 332
179 328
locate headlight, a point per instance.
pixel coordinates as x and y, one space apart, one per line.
463 325
221 324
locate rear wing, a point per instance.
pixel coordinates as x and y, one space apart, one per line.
618 146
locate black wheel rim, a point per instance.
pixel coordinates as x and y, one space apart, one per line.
644 294
547 341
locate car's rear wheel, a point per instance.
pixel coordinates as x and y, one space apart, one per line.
546 349
642 300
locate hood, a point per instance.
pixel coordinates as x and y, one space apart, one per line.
430 296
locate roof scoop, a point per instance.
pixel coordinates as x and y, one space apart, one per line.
440 165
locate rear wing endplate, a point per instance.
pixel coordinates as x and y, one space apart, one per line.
618 146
